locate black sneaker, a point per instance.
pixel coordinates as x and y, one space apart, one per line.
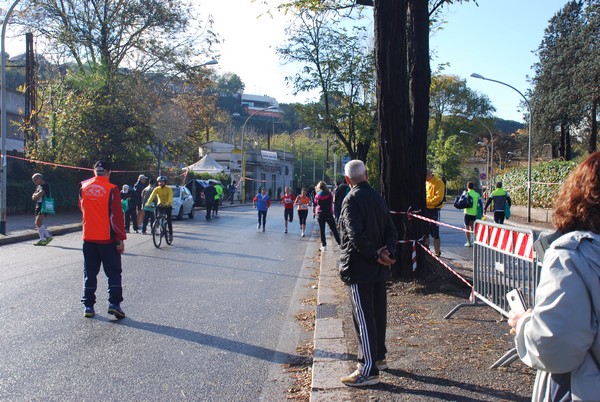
115 309
88 311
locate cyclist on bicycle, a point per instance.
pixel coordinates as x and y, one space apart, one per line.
165 201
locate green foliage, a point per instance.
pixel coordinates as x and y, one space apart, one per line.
335 63
567 78
546 179
222 177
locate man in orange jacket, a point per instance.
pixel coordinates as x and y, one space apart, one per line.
103 239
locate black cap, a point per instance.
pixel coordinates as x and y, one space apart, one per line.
102 166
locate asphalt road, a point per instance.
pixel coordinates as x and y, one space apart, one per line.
452 239
209 318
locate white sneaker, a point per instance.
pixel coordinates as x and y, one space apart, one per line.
323 248
468 244
356 379
302 235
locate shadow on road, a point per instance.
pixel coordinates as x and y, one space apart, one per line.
218 342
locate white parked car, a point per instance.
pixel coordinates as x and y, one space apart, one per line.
183 202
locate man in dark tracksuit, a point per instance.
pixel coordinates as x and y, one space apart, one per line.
367 250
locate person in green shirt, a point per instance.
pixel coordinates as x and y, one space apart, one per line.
218 195
501 203
471 213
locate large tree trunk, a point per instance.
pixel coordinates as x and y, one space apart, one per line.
594 129
403 78
562 149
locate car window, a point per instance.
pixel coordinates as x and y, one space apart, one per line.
176 192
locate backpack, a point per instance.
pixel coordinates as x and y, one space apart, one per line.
463 201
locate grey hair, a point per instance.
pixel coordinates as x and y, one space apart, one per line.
355 170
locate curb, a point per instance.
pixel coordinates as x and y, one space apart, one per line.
330 360
32 234
331 356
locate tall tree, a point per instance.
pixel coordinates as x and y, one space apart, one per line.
118 47
403 79
567 81
339 64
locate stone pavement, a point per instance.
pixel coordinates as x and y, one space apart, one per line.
331 356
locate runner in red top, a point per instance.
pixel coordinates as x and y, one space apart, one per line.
288 206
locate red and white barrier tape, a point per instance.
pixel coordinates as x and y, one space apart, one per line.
68 166
448 267
413 257
410 214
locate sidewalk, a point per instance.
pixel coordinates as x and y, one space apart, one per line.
21 227
334 343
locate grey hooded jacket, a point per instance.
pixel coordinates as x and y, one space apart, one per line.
562 332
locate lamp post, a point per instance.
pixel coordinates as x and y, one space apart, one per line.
3 124
487 159
244 152
479 76
491 166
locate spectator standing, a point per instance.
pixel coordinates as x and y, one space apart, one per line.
288 206
367 250
129 208
501 201
323 210
262 202
559 336
471 213
148 211
138 188
231 189
103 239
302 201
340 192
41 188
434 198
218 196
209 198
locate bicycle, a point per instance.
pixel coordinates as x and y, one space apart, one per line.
159 229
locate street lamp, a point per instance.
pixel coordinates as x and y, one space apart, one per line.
491 168
244 153
3 124
487 159
475 75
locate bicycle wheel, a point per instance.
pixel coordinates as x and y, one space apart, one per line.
157 233
166 232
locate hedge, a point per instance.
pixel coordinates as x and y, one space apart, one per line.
546 178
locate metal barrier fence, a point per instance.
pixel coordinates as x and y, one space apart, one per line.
503 260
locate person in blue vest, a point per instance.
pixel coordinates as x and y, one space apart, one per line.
501 201
262 202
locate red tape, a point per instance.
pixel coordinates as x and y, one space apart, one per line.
68 166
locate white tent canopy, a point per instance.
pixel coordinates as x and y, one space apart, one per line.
206 165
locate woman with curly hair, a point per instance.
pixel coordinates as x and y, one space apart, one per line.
559 336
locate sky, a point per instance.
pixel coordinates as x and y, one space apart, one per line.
495 39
